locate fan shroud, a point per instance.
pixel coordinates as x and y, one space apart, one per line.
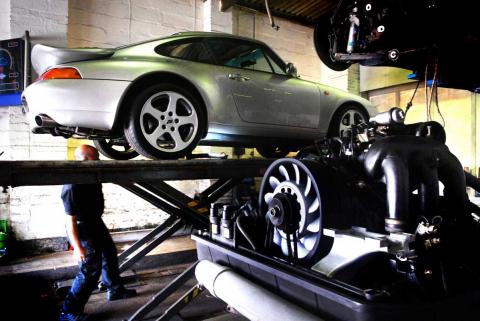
299 179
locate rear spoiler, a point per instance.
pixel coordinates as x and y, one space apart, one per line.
44 57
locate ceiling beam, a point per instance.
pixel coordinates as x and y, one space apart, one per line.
276 14
226 4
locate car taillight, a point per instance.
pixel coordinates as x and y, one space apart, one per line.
61 73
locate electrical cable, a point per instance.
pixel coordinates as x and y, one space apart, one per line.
270 17
432 88
436 98
410 103
426 91
438 107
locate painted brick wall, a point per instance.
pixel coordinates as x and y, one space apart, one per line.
4 19
215 20
110 23
31 211
25 204
45 19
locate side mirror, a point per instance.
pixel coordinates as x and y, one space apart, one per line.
291 70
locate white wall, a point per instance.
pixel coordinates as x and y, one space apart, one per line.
4 19
33 212
45 19
110 23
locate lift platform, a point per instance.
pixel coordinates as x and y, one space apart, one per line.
35 173
146 179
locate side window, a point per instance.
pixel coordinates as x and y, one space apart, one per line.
276 67
190 49
255 60
239 54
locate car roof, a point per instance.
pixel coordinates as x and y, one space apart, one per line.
195 34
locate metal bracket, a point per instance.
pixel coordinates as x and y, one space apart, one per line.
163 294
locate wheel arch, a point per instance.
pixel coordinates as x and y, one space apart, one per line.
150 79
342 106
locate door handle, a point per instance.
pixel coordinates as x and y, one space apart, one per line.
238 77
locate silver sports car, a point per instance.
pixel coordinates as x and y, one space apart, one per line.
161 98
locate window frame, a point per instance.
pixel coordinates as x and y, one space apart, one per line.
267 52
270 56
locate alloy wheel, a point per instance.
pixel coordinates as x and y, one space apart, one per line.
169 121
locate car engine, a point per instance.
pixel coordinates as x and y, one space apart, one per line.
383 213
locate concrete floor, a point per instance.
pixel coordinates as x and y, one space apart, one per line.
30 283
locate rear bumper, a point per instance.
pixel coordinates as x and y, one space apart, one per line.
88 103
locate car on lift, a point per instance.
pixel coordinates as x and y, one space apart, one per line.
162 98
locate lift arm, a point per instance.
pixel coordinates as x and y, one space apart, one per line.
30 173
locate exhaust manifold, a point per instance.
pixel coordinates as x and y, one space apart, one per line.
406 163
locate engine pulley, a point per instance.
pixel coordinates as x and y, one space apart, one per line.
292 200
284 212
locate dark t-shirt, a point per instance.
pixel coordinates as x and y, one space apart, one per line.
83 200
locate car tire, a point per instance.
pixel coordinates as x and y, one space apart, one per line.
344 117
106 148
158 129
272 151
322 45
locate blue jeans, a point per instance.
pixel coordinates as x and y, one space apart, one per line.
101 259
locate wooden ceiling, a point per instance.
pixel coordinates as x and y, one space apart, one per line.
303 11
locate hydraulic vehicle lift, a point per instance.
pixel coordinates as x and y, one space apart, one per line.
146 179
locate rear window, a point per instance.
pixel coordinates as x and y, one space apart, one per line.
187 49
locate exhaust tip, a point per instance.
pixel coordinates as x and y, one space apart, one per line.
44 121
38 120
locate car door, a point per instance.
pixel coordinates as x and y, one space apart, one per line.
296 101
263 93
243 77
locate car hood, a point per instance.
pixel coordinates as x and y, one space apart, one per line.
44 57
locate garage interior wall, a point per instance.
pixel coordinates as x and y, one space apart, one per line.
4 19
36 214
388 87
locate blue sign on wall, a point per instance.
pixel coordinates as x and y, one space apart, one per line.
11 71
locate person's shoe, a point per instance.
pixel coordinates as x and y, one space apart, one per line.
64 316
121 294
